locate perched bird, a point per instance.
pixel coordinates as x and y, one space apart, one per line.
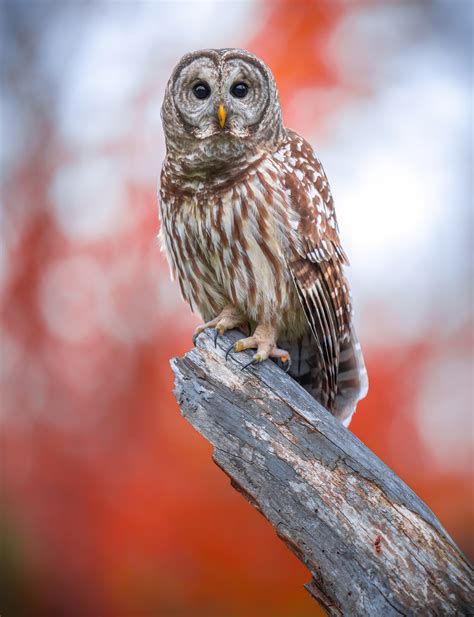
249 227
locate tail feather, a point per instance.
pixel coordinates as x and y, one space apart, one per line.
352 381
307 370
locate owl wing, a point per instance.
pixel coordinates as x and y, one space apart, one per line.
317 259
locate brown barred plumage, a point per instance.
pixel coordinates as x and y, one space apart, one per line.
249 226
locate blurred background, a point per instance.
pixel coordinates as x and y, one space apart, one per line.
111 505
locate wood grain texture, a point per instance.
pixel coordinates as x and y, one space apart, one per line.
371 545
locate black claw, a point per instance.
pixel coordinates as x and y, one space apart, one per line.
285 366
195 338
253 361
216 335
231 348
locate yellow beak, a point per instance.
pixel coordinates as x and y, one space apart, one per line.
221 114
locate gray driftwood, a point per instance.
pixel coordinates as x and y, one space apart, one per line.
371 545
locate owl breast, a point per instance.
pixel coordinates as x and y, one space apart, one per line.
231 244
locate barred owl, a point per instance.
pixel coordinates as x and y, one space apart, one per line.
249 227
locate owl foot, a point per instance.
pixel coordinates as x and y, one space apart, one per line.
264 341
229 318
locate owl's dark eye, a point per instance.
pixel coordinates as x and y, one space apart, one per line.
201 90
239 90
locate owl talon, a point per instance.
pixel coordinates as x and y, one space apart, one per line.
229 318
252 361
231 348
284 363
264 341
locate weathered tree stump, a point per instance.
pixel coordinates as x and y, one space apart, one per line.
371 545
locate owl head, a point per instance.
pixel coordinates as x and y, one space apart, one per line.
219 103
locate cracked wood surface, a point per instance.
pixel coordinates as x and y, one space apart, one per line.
371 545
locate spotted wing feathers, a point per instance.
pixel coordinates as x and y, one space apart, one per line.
317 270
